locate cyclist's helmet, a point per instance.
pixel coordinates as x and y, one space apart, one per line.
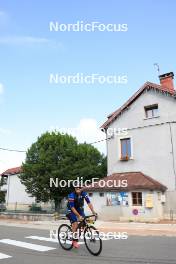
76 185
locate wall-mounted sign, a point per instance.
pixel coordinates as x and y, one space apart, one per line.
142 211
112 199
149 200
123 194
135 211
115 198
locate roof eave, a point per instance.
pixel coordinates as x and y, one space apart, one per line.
115 114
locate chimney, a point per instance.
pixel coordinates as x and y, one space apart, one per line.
166 80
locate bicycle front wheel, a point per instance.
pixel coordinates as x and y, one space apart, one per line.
65 236
92 240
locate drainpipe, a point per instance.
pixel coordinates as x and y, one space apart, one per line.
107 152
173 154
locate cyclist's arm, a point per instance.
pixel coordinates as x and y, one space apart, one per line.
75 212
90 205
91 208
72 206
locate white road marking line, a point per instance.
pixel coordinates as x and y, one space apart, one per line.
26 245
48 239
4 256
70 242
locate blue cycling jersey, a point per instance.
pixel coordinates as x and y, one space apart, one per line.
77 201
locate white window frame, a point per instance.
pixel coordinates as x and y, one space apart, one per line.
119 147
147 107
137 191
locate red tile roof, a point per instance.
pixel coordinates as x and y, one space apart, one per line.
146 86
135 180
12 171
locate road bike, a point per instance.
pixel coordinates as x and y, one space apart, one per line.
86 231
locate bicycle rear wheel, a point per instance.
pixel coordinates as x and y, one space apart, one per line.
92 240
65 236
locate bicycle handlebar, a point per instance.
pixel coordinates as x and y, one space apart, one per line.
88 216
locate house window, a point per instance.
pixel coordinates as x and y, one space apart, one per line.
151 111
137 198
90 194
4 180
101 194
125 148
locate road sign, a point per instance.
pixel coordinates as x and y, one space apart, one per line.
135 211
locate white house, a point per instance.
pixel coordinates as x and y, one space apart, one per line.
142 199
148 147
16 196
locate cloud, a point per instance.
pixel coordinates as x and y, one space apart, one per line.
3 15
21 40
1 88
4 19
87 130
30 41
10 160
5 131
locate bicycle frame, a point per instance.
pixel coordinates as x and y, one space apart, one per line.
83 223
83 227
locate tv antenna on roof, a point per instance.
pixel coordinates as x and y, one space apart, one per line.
156 65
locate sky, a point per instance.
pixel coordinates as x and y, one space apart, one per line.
30 52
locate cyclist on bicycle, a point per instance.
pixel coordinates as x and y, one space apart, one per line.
75 208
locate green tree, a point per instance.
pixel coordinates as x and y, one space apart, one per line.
90 163
59 156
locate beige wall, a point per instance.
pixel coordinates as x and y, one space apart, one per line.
125 212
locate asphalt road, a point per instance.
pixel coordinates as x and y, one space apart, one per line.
31 246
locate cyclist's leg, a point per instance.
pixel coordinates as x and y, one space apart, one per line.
74 223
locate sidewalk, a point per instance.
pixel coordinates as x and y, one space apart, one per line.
139 229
